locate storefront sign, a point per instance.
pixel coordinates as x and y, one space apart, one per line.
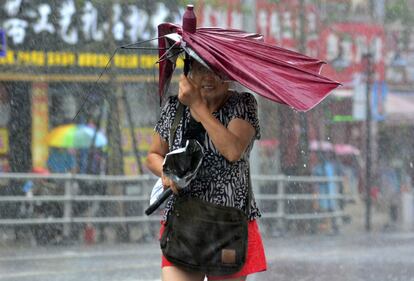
228 15
68 35
143 137
71 22
280 24
131 166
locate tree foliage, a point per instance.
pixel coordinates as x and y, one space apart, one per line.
399 10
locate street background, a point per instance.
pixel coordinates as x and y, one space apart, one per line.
335 184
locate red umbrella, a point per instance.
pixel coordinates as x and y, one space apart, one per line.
346 149
325 146
275 73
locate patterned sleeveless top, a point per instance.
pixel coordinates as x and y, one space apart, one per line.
218 180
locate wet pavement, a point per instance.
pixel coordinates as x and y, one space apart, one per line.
368 257
376 257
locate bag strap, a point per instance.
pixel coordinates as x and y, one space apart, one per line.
249 192
175 123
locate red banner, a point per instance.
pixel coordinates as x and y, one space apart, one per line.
343 46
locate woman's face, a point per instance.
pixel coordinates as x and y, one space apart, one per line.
211 85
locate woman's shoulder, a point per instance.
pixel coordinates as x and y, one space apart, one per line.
170 105
242 97
172 101
245 96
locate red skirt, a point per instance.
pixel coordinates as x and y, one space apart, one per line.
255 260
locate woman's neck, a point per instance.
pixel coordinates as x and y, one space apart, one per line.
218 102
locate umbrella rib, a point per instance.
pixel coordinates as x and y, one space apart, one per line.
165 55
146 48
99 77
168 57
106 67
140 42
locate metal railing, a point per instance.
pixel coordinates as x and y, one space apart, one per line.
294 200
273 194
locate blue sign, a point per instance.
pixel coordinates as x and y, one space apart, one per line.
379 95
2 43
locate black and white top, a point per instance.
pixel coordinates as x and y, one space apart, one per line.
218 180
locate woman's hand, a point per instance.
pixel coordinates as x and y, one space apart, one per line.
189 92
168 183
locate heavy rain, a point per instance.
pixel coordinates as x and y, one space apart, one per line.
83 84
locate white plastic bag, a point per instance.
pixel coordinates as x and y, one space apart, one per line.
156 191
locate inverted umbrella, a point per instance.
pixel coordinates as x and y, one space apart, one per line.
275 73
75 136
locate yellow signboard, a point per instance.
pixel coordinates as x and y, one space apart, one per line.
4 141
40 124
131 166
143 137
72 59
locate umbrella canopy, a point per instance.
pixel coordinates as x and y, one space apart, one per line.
275 73
75 136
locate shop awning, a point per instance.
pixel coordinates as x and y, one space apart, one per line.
399 107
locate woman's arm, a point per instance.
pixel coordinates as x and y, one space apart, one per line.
156 154
155 159
232 141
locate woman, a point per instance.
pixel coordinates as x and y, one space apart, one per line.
226 124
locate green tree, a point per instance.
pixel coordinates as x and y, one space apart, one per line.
400 12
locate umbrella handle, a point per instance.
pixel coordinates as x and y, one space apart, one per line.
164 195
187 64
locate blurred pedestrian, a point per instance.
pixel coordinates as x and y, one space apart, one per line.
61 160
328 167
350 171
390 187
91 161
50 232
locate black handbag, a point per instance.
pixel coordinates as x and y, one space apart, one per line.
205 237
